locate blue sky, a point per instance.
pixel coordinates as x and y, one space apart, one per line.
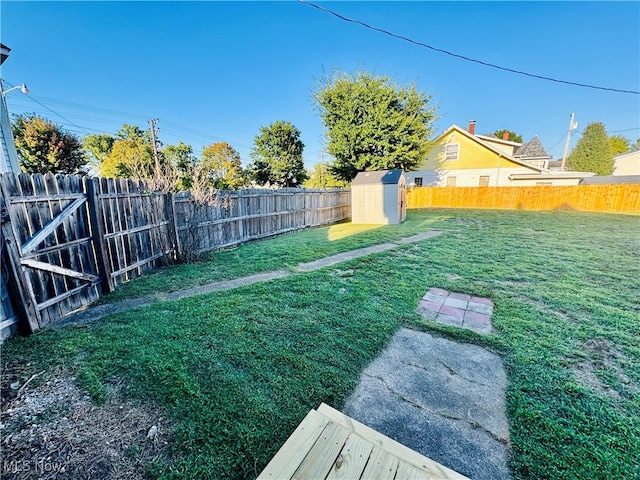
218 71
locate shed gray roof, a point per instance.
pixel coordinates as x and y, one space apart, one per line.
385 177
610 179
531 149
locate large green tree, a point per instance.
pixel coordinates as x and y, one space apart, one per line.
45 147
99 146
513 136
221 167
180 159
131 155
277 156
592 153
372 123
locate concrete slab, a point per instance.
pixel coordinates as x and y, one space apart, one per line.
440 398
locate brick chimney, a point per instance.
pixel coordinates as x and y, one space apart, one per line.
472 127
505 135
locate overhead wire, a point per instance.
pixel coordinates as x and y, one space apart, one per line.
463 57
49 109
175 129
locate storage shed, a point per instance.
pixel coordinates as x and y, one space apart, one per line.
379 197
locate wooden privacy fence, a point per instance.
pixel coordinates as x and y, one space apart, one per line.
67 239
591 198
238 216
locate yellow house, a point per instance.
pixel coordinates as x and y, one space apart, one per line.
460 158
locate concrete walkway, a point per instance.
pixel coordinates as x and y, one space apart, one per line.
440 398
93 313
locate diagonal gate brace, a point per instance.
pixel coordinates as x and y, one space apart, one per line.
48 229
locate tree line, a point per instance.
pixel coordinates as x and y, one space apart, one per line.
371 123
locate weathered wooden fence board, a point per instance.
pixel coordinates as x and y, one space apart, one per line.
66 239
235 217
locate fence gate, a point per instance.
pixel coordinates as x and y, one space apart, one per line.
48 245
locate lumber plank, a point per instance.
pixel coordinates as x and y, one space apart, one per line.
431 467
291 454
34 241
322 456
352 460
48 267
382 465
62 296
409 472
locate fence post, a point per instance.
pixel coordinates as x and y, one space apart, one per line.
173 226
97 234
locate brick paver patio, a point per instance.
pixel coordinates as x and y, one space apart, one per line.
457 309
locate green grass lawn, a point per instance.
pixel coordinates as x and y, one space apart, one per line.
238 370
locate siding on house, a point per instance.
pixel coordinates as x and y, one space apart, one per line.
627 163
482 161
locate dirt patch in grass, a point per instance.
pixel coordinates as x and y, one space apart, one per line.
602 359
54 430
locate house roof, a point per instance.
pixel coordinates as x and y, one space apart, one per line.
531 149
492 138
549 175
384 177
4 52
488 146
626 154
610 180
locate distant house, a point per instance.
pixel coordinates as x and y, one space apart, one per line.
627 163
460 158
379 197
611 180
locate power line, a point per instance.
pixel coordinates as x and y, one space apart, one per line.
468 59
51 110
625 130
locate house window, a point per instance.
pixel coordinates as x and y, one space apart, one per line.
484 180
451 181
451 151
417 181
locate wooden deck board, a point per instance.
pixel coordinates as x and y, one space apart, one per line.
322 456
352 460
295 449
329 444
382 465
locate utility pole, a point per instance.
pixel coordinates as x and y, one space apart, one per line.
152 124
572 126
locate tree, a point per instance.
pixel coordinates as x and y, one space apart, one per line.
98 146
221 166
321 177
513 136
180 158
592 153
373 123
131 155
619 144
44 147
277 156
635 146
